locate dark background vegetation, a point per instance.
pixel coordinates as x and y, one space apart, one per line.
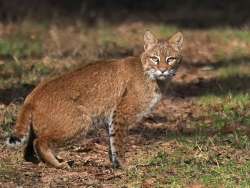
189 13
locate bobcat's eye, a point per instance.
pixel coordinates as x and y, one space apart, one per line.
170 60
155 59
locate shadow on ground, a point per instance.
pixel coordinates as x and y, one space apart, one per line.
222 63
216 86
234 82
15 94
160 130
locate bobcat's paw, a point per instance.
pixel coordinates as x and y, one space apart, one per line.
67 165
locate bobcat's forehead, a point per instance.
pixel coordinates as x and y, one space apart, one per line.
163 49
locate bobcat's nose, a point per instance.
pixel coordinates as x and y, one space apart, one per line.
162 70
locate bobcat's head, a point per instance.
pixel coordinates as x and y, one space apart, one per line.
161 58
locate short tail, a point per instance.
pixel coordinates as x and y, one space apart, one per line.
22 128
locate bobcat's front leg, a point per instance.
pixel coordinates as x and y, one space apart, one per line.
117 139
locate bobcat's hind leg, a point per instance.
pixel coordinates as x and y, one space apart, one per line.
117 139
45 153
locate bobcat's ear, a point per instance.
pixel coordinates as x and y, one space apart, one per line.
176 40
149 40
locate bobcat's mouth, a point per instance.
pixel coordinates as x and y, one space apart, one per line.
162 77
158 75
166 75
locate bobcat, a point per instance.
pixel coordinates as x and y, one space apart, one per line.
117 92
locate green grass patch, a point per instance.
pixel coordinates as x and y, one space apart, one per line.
22 72
227 101
227 111
234 68
211 161
231 43
107 35
20 46
167 30
227 34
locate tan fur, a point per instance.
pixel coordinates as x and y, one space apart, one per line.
117 92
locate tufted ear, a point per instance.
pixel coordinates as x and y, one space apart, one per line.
149 40
176 40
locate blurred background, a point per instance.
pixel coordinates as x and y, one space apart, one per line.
198 136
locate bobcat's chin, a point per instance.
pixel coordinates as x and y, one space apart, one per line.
157 75
165 76
162 77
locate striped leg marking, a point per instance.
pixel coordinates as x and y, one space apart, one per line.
113 150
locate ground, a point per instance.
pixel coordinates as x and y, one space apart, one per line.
198 136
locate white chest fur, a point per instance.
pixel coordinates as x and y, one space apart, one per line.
154 101
156 98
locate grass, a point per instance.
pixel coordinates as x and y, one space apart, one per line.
209 161
9 117
228 110
234 68
22 72
232 107
20 46
227 34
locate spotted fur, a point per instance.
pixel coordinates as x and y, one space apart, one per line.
117 93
